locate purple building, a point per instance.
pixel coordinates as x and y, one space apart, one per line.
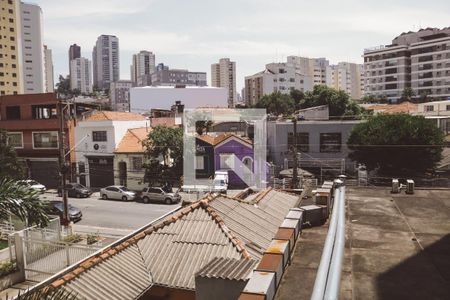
231 153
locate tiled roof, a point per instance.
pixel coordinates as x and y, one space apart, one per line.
228 268
171 251
115 116
132 141
404 107
164 121
220 138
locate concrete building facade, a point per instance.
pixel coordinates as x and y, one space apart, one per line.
346 77
417 60
48 66
80 75
165 76
223 74
11 50
105 61
33 68
143 65
120 95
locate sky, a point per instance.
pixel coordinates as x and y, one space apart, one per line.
193 34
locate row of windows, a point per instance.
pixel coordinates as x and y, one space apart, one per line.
41 140
329 142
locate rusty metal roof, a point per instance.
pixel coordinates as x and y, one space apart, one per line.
228 268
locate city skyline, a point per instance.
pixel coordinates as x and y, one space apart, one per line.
337 31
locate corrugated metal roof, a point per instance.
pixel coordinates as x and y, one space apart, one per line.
122 276
228 268
177 251
255 224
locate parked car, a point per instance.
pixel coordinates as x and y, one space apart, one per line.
76 190
57 208
118 192
33 184
158 194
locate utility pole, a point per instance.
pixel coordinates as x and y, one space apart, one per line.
294 150
62 160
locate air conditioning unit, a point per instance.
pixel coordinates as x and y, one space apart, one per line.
395 186
410 186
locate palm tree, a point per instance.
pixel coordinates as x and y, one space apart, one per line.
47 294
21 202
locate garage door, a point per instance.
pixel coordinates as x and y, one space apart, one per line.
101 171
45 172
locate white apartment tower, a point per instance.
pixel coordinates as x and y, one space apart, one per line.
223 74
105 60
417 60
33 69
346 77
80 75
142 67
48 66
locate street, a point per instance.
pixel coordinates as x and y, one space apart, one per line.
113 217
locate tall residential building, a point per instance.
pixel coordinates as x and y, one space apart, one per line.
48 66
223 74
80 75
32 49
120 95
142 67
74 52
346 76
313 69
11 50
417 60
105 60
165 76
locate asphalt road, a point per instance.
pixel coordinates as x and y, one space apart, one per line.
111 216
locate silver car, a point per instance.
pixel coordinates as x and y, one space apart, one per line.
118 192
158 194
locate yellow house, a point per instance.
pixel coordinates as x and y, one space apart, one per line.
129 157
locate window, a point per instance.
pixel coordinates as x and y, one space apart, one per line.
45 140
15 139
448 108
136 163
227 161
199 162
330 142
429 108
44 112
13 112
302 141
99 136
112 189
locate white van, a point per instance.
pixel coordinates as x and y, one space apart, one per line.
221 181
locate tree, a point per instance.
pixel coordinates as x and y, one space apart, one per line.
407 94
337 101
298 97
10 167
166 143
375 99
203 126
22 202
47 294
277 104
63 86
397 144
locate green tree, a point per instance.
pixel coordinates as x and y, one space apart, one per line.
63 86
337 101
47 294
375 99
407 94
203 126
277 104
22 202
166 143
10 167
397 144
298 97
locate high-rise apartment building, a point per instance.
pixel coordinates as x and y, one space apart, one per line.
142 67
313 69
346 76
105 60
80 75
74 52
11 50
417 60
223 74
48 67
120 95
165 76
32 49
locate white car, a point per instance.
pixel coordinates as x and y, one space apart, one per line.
118 192
33 184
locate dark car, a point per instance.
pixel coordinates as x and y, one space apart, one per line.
76 190
57 208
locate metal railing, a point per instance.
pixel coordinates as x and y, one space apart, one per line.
328 277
